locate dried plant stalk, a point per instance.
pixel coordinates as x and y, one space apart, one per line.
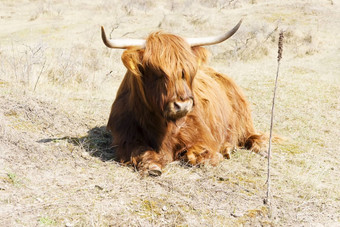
280 49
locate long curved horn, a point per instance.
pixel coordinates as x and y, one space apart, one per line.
121 43
204 41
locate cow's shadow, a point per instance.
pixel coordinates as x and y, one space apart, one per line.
97 143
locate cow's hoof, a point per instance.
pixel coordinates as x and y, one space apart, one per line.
154 170
154 173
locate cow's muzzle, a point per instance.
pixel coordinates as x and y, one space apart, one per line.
178 109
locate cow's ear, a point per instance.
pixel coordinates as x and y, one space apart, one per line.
132 59
201 54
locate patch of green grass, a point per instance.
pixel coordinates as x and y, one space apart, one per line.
291 149
150 209
46 221
12 178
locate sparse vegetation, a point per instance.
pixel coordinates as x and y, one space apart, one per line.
46 221
58 81
12 178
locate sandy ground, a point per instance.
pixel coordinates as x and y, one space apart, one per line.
58 81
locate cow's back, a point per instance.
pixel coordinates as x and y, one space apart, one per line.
222 106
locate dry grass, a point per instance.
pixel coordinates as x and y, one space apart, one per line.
58 81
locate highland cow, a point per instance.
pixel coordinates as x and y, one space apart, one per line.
172 106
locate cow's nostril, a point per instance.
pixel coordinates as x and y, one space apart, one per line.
183 106
177 106
178 109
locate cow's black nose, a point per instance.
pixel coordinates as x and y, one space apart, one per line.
183 105
178 109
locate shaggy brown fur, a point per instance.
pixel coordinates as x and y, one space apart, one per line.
166 70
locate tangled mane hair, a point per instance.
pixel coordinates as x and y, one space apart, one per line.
159 66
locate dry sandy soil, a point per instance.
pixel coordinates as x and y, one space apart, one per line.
58 81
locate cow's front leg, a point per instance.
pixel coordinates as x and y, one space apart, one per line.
200 155
148 162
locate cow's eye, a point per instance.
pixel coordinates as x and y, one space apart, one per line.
183 75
